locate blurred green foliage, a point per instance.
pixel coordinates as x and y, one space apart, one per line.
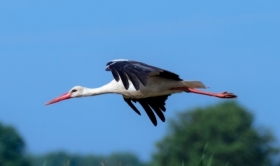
218 135
227 130
66 159
11 148
12 154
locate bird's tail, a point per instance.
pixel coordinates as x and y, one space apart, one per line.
194 84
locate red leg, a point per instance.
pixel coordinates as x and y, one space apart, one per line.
220 95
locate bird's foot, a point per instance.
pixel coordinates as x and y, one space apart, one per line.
226 95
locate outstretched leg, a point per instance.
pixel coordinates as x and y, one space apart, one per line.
220 95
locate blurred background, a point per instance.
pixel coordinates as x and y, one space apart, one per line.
47 47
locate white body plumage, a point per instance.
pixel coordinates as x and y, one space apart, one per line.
156 86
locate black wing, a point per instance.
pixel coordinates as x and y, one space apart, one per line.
150 105
136 71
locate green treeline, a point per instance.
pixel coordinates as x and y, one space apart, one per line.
65 159
218 135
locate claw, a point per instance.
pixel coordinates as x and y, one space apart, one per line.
227 95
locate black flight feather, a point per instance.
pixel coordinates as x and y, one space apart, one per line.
126 69
150 105
128 101
149 111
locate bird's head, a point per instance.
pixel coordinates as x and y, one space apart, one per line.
76 91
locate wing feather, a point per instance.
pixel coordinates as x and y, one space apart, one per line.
149 111
115 73
126 70
157 111
128 101
150 105
124 79
132 78
142 77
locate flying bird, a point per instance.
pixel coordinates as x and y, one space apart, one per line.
139 82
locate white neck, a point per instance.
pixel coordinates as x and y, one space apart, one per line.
108 88
94 91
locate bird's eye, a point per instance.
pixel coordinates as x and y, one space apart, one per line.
74 90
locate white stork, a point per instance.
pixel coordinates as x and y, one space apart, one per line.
138 82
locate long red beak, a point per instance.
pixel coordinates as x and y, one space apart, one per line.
60 98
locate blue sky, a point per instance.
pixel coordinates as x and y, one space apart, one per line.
48 47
